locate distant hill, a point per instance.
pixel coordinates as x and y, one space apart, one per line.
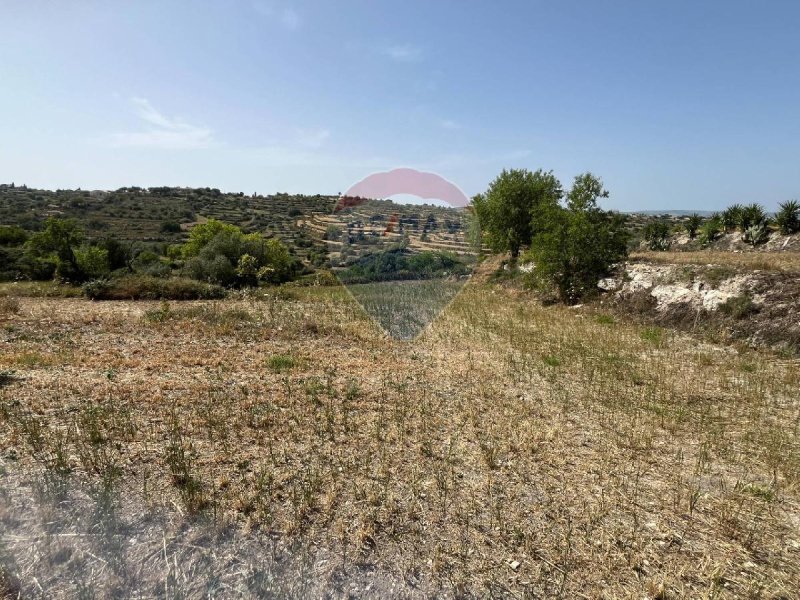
165 215
671 212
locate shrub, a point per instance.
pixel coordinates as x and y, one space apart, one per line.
788 217
657 235
11 235
92 262
215 249
55 247
143 287
739 307
731 217
711 230
756 234
170 227
9 306
692 224
752 215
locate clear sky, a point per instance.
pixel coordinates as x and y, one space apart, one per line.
675 104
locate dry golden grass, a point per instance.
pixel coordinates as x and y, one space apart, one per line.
764 261
510 451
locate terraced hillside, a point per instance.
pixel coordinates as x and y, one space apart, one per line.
374 225
165 214
160 214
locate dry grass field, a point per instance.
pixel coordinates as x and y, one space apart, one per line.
764 261
281 445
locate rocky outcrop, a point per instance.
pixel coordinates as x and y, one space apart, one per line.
759 307
672 284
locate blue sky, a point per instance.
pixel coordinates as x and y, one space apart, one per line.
682 105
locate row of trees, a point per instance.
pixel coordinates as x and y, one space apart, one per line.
571 241
215 252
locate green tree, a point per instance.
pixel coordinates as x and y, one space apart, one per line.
505 209
11 235
55 246
577 245
215 252
203 233
92 261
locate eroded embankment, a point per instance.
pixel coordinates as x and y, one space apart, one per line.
758 307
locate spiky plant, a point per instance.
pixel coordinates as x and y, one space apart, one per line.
752 215
692 224
788 217
730 217
711 229
657 235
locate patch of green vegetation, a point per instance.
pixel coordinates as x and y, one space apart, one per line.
551 360
400 264
146 287
281 362
716 275
739 307
654 335
764 492
605 319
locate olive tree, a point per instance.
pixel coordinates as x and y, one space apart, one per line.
504 211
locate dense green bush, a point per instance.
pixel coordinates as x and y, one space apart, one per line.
692 225
657 234
170 227
731 217
505 210
11 235
51 252
577 245
215 251
711 229
788 217
144 287
752 215
401 264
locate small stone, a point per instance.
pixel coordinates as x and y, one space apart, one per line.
514 564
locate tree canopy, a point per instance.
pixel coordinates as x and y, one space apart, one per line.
577 245
505 210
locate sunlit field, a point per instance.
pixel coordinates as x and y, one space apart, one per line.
283 444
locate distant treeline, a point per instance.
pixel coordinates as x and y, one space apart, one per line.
400 264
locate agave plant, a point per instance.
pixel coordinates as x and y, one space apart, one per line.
657 235
711 229
751 216
756 234
692 224
730 217
788 217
